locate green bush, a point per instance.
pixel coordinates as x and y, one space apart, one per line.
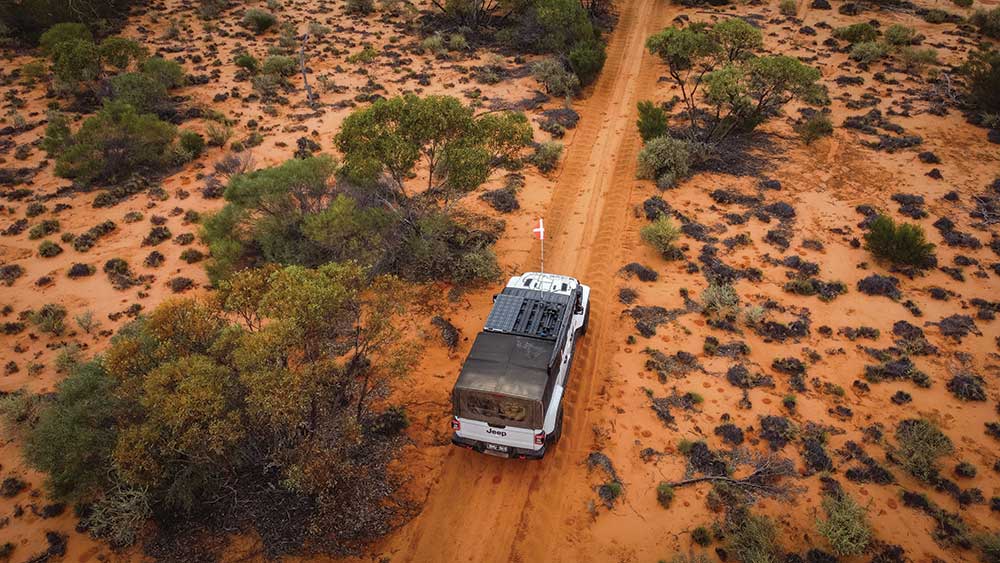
546 156
114 144
661 234
904 244
49 249
26 20
554 77
168 73
788 7
434 44
664 159
846 527
900 35
867 52
989 544
119 517
258 20
652 121
49 319
139 90
920 444
64 33
360 6
814 127
587 59
57 134
74 436
664 494
720 301
936 16
752 539
916 59
988 22
856 33
280 66
192 144
247 62
120 52
983 73
962 3
76 62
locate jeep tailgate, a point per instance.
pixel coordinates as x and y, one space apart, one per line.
513 436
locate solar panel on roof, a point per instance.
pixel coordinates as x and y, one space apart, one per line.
504 314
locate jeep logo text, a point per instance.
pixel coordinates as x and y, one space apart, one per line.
500 433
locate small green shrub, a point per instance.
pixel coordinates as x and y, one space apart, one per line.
64 33
554 77
720 301
168 73
917 59
982 71
661 234
900 35
652 121
258 20
546 156
904 244
247 62
846 527
867 52
120 52
587 59
434 44
664 159
664 494
57 134
962 3
753 539
936 16
988 22
280 66
192 144
814 127
49 318
856 33
360 6
458 42
49 249
75 62
788 7
701 536
140 90
218 135
921 442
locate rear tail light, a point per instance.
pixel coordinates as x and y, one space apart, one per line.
455 424
539 438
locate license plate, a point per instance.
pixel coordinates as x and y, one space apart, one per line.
497 450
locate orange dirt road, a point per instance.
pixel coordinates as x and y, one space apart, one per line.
487 509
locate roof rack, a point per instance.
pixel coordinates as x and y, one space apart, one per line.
528 313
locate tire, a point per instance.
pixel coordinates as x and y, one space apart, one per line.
586 321
557 431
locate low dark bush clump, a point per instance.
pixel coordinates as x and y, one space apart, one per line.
80 270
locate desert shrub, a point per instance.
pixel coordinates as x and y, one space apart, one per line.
74 435
119 516
434 44
75 62
664 159
900 35
192 255
652 121
168 73
661 234
983 73
9 273
720 301
49 249
587 59
554 77
814 127
114 144
64 33
258 20
360 6
920 444
701 536
904 244
280 66
139 90
856 33
916 59
86 321
247 62
49 319
752 539
458 42
546 156
57 134
664 494
44 229
28 19
962 3
846 526
788 7
988 22
218 135
69 356
989 545
192 144
936 16
120 52
867 52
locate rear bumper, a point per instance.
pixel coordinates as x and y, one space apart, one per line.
513 453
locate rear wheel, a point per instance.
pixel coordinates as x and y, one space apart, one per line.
586 321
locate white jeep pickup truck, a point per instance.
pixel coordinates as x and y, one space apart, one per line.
507 401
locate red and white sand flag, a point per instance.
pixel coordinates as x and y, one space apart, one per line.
540 231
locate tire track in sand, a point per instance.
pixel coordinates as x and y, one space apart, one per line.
482 508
